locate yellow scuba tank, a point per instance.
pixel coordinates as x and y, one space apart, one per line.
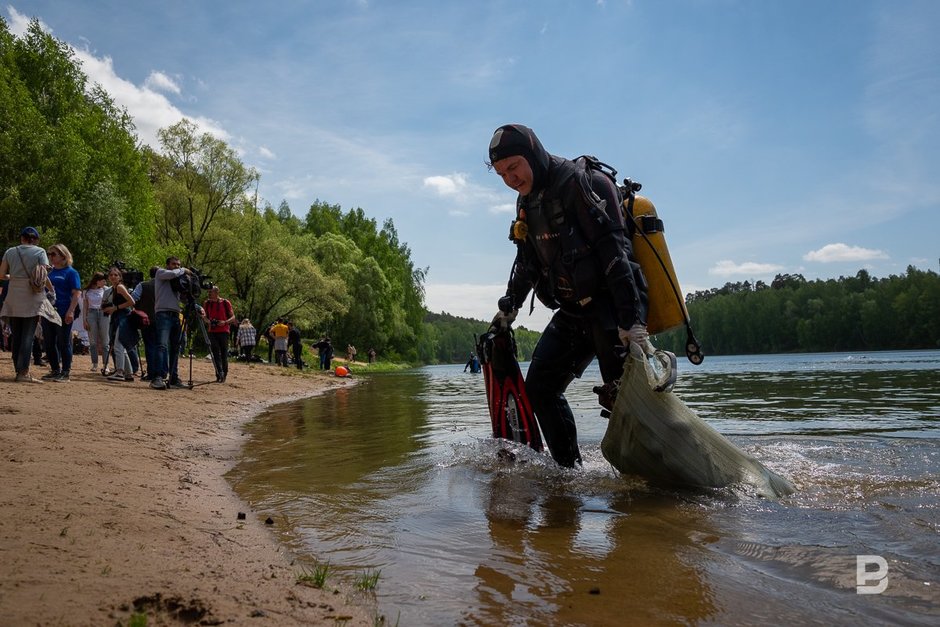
666 311
667 308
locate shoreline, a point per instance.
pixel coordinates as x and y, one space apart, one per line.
114 502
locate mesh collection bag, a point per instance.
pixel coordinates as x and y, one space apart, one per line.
654 435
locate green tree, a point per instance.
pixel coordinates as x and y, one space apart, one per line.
198 179
845 314
270 273
66 152
394 287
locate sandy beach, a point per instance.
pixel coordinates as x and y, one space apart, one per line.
113 502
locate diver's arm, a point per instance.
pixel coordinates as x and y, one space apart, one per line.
607 232
520 278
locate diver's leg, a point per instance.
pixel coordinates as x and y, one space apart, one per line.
562 353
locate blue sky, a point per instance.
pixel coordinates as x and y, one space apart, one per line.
773 136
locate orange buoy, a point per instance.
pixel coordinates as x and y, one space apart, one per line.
342 371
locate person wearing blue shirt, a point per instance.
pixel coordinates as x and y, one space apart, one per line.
58 338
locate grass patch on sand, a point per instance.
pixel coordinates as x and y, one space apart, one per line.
368 580
316 576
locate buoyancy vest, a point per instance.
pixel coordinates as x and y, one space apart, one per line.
574 248
666 308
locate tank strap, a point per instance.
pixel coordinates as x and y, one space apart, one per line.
649 224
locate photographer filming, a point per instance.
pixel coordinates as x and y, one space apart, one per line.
168 325
219 314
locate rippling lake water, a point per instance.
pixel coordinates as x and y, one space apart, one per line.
398 474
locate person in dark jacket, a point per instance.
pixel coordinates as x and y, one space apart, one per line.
574 251
144 300
296 348
325 349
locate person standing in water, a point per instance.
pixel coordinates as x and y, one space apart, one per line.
574 251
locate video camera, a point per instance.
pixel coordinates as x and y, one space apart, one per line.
190 286
129 276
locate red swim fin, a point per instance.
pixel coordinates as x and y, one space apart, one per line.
510 410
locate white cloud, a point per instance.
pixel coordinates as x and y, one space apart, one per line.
450 185
158 81
478 301
842 252
266 152
461 190
18 22
485 73
728 268
463 299
151 110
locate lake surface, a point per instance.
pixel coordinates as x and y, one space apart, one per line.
398 474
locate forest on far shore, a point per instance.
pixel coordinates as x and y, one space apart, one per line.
790 315
793 315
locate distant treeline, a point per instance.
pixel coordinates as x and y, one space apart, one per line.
450 339
790 315
795 315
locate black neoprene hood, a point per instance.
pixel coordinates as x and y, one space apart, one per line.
515 139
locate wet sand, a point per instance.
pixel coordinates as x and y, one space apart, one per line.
113 502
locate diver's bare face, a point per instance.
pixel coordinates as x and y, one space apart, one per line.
516 173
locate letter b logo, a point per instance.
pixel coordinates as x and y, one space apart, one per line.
870 581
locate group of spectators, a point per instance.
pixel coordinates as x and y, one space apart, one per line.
283 336
41 287
41 296
25 303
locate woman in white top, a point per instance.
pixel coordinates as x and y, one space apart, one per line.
22 304
95 320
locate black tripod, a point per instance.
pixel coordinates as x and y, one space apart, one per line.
192 319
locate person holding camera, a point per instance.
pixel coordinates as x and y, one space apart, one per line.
169 328
95 321
218 313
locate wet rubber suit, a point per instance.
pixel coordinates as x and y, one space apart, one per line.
577 257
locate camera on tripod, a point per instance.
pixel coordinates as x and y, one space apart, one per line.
129 276
190 286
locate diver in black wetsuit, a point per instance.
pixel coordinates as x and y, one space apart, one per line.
574 250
